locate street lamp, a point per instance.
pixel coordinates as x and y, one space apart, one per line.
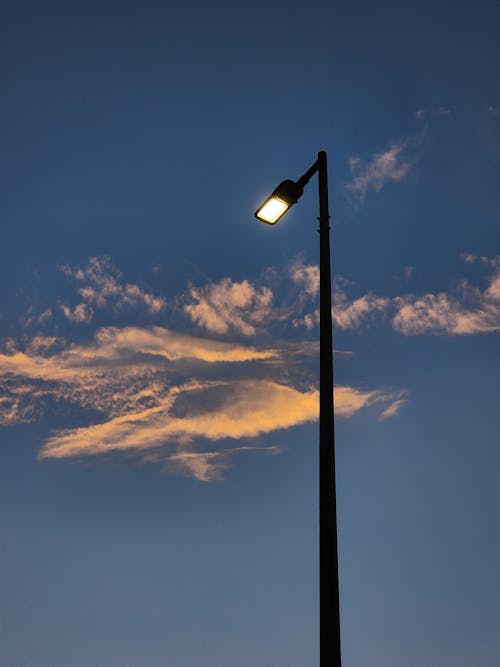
273 208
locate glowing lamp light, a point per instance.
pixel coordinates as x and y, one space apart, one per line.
272 210
277 204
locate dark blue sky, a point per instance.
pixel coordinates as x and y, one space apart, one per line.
157 344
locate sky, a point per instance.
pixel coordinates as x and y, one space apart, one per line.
159 346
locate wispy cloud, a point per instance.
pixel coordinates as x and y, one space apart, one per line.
121 349
444 314
423 112
210 466
36 317
464 309
352 315
122 369
131 376
81 313
408 272
211 411
190 403
100 285
389 166
228 306
393 409
348 314
306 277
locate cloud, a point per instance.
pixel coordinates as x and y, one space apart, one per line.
82 313
13 410
492 263
309 320
230 306
190 403
214 411
442 314
34 317
306 277
408 272
122 370
393 409
351 315
210 466
348 315
100 285
464 310
467 310
211 411
422 113
389 166
172 345
131 376
118 348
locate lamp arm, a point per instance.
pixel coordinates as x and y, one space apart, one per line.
305 178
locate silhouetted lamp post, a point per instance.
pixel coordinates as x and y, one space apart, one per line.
274 207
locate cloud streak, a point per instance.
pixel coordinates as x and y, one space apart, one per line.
212 411
464 310
467 310
389 166
130 375
188 402
100 285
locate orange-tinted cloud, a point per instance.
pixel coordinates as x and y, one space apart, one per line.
122 370
208 411
160 394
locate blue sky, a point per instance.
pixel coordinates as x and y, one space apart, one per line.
158 346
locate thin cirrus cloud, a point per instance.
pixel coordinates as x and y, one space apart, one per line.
463 310
100 285
393 409
213 411
191 403
122 374
393 164
122 369
389 166
424 112
209 466
122 346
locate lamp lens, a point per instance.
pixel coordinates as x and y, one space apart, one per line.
272 210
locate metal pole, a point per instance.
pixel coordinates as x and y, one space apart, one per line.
329 602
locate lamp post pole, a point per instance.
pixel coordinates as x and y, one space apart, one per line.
284 196
329 613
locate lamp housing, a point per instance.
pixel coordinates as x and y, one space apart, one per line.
277 204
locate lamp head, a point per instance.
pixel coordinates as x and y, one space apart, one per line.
277 204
